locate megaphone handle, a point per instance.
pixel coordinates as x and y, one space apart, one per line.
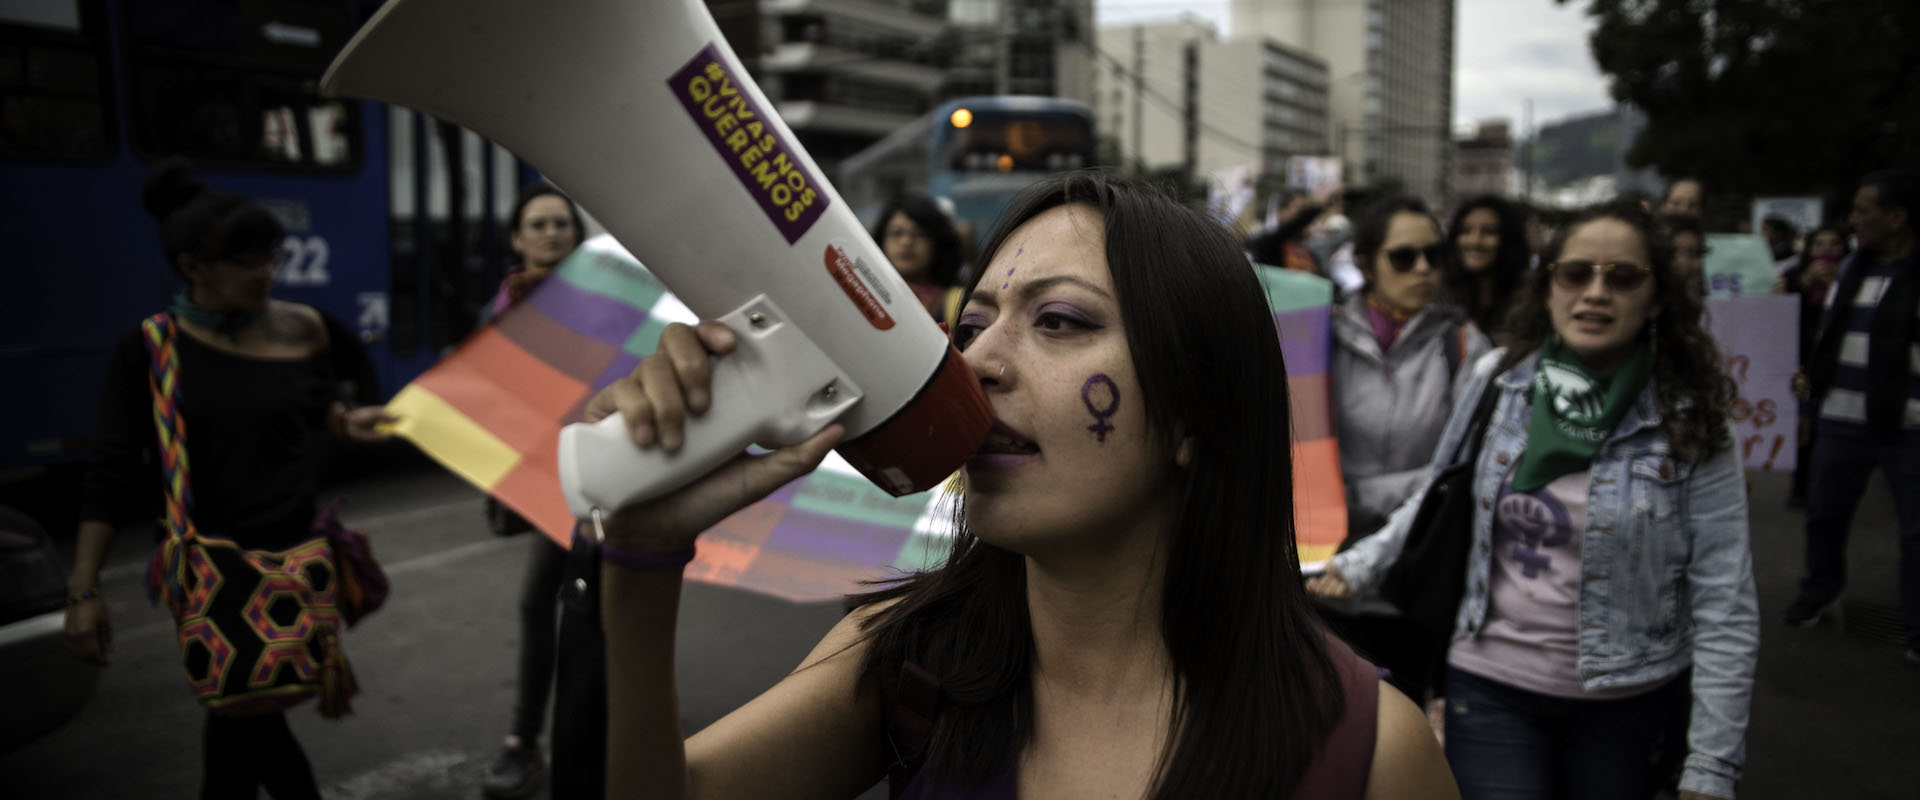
776 388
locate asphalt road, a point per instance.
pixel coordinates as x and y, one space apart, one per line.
1835 713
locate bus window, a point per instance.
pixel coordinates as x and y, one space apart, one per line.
995 141
53 92
235 85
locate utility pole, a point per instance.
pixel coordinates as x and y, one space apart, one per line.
1526 149
1139 88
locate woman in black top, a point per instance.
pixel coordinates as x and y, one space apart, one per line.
255 389
1491 256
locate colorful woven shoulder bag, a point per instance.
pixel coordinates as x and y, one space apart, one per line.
259 630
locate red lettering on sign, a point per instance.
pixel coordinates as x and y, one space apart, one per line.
1737 368
841 267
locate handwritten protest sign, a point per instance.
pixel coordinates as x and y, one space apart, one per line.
1759 338
1803 213
1738 265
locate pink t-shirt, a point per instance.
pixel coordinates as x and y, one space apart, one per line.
1531 639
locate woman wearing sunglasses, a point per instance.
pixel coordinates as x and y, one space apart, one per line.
1396 358
1609 579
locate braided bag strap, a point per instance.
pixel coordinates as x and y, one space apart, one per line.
164 579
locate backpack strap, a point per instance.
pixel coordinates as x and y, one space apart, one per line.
164 578
911 699
1455 346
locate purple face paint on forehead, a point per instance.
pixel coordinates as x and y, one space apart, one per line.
1100 427
1016 256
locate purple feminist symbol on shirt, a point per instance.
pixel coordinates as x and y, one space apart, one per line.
1534 521
1100 415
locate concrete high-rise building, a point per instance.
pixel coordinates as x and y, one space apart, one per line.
1174 95
1256 91
1391 85
1483 162
1144 92
841 73
1039 47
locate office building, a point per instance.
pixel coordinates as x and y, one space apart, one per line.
1039 47
842 73
1173 95
1483 162
1261 102
1391 84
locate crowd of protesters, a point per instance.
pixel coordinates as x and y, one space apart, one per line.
1604 625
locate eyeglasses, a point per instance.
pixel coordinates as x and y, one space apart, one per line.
1620 276
1403 259
904 234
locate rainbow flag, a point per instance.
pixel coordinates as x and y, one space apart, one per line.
492 411
1302 306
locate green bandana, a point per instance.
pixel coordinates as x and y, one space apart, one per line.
1574 412
227 322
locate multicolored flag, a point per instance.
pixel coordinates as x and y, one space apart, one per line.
492 411
1303 314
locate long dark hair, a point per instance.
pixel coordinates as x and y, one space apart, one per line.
205 223
944 267
1255 690
1510 262
535 191
1806 242
1689 385
1370 232
520 283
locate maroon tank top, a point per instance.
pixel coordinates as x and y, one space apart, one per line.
911 699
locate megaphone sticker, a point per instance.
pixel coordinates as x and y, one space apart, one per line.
746 138
848 270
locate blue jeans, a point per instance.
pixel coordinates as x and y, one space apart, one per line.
1505 743
1844 456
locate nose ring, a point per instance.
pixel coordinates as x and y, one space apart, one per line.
1003 371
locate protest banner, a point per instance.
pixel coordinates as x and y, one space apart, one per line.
1738 265
1759 340
1801 212
1315 174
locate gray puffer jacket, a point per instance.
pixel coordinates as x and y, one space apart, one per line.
1390 408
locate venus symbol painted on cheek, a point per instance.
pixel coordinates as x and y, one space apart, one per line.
1112 401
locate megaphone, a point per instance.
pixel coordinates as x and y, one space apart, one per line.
640 111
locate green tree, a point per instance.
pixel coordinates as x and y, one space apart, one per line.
1761 97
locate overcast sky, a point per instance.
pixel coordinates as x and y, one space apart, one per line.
1507 51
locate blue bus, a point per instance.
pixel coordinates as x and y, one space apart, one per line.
392 217
976 152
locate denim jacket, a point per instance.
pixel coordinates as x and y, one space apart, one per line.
1666 573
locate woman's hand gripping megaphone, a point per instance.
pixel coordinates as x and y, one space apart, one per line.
655 402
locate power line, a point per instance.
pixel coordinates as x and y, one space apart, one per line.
1169 104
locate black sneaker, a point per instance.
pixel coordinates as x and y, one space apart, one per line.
1805 613
515 774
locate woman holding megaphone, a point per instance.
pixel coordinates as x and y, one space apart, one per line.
1121 613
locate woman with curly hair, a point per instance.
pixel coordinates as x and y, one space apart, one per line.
1609 558
1489 240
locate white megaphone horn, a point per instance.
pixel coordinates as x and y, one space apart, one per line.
640 111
